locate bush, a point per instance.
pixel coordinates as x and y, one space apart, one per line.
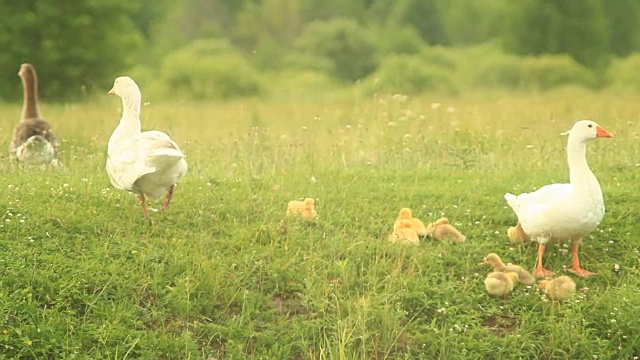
348 48
503 71
550 71
534 73
623 73
400 40
410 75
297 60
439 56
209 69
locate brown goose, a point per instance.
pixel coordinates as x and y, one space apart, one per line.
33 139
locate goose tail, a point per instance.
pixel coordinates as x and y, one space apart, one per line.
512 201
165 154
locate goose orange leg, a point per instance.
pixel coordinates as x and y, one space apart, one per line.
575 263
540 270
143 204
167 199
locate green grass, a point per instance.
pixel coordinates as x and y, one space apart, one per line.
220 275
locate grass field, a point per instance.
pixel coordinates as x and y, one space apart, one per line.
221 276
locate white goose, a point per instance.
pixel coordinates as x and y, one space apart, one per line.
564 211
145 163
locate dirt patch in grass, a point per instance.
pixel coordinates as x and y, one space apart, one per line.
288 306
501 325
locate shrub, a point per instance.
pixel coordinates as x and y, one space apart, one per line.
297 60
439 56
349 48
623 73
209 69
400 40
410 75
533 73
550 71
502 71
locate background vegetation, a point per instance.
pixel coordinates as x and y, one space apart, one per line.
365 105
228 48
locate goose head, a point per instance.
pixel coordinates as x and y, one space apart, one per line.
492 259
405 213
26 71
585 130
309 203
124 86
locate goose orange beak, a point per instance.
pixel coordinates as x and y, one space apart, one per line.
601 132
113 92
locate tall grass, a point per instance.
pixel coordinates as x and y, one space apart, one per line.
222 274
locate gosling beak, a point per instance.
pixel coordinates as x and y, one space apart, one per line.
112 92
601 132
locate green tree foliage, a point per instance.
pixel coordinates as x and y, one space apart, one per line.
79 45
624 22
399 40
279 20
74 45
424 15
328 9
410 75
350 48
577 28
473 21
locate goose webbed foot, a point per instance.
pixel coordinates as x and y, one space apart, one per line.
575 264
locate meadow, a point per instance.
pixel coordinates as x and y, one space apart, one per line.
223 275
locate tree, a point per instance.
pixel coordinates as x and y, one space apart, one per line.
473 21
624 17
350 49
423 15
75 45
577 28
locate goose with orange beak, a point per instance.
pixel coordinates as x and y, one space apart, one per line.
564 211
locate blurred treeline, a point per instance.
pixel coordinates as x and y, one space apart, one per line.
223 48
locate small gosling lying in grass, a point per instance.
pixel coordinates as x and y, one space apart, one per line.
441 229
499 283
516 234
305 208
416 224
404 234
558 289
494 260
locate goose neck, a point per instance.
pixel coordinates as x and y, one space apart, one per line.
579 171
131 107
30 108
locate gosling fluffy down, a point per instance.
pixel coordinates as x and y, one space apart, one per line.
516 234
305 208
416 224
499 283
441 229
404 234
494 260
558 289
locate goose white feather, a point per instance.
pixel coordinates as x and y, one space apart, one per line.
564 211
146 163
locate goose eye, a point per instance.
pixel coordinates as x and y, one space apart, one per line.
590 125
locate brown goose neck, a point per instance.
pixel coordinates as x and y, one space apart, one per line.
30 102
